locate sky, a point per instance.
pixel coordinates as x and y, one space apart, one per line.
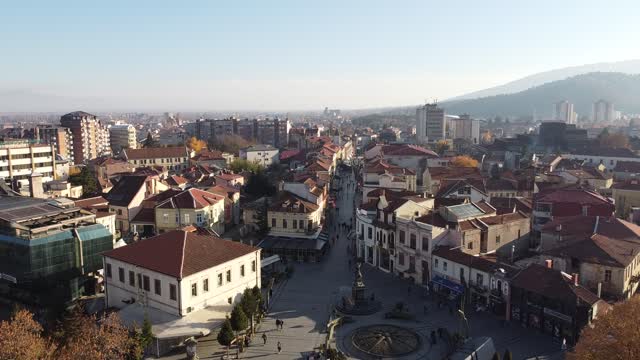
296 55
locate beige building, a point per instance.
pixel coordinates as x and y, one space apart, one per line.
602 250
19 159
90 136
59 137
122 136
173 158
125 200
290 215
626 195
191 207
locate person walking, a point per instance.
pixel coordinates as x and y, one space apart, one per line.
277 324
279 347
264 338
281 324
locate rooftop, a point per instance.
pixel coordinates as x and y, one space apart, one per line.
125 190
179 253
154 153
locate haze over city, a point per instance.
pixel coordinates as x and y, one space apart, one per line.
288 55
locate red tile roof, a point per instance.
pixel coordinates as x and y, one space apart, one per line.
191 199
407 150
551 284
627 167
155 153
205 155
581 196
176 180
227 177
179 253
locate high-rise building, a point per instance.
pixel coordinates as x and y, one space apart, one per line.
603 111
563 111
122 136
90 136
464 127
59 137
430 123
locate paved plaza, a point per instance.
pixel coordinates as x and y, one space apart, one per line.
304 302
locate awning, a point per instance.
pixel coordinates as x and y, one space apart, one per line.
448 284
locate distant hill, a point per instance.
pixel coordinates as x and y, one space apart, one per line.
581 90
627 67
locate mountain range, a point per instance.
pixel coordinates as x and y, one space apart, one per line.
627 67
581 90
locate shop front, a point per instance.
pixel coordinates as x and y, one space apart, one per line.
447 290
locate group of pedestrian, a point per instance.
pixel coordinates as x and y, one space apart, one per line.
279 324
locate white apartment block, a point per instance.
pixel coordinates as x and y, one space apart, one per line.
264 155
123 137
20 159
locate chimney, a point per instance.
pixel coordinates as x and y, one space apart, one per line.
35 185
549 263
575 279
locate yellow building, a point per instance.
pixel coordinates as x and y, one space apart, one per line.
626 196
191 207
290 215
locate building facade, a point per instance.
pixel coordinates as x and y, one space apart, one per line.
90 136
122 137
264 155
430 123
20 159
59 137
172 158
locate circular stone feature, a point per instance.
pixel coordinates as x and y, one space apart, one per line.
385 340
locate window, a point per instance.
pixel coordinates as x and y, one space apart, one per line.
109 270
121 274
186 218
140 281
119 211
273 222
479 279
219 279
470 245
607 276
242 270
157 286
165 218
194 289
425 243
230 301
401 235
412 241
146 283
284 223
172 292
199 218
177 218
253 266
369 233
132 278
436 264
295 224
401 258
461 273
205 285
444 265
228 276
497 239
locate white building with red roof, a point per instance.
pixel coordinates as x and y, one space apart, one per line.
184 283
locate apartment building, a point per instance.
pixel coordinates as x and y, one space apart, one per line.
264 155
60 137
122 137
20 159
90 136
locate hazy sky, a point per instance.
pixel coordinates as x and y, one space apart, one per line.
209 55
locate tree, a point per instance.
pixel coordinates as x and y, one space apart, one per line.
507 355
613 335
150 141
225 335
259 185
229 143
195 144
262 217
146 334
613 141
239 165
442 146
239 321
87 180
249 304
464 161
20 338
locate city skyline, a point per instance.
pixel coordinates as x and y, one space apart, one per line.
153 56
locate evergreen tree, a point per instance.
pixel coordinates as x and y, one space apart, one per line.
239 321
262 220
225 335
146 336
